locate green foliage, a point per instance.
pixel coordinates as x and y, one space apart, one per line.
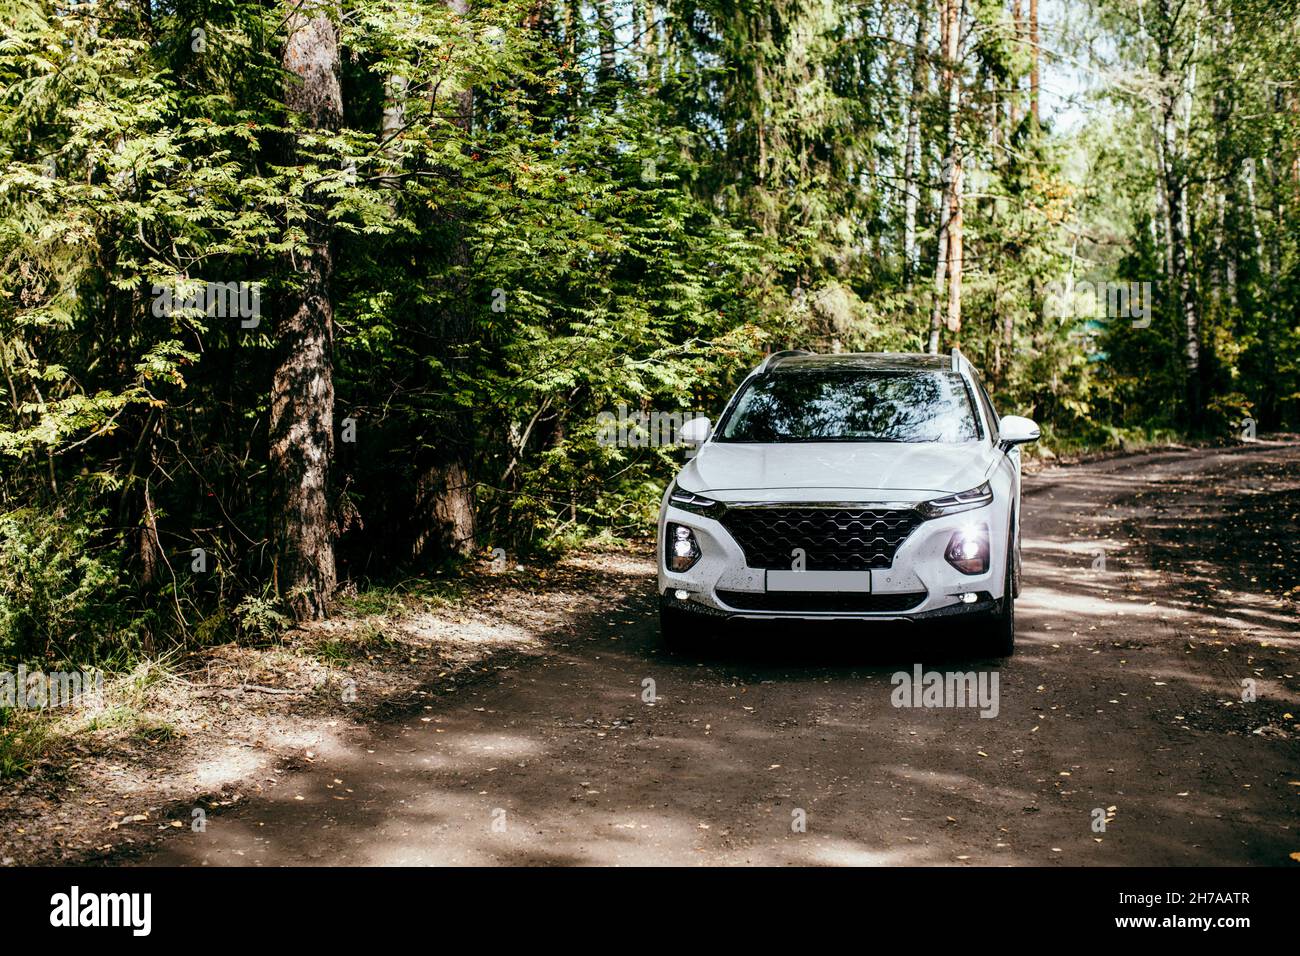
62 596
24 739
262 617
530 229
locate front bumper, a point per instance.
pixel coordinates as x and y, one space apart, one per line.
920 585
982 606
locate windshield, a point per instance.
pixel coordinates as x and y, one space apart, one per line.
852 405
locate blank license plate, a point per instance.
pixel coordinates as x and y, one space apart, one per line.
856 582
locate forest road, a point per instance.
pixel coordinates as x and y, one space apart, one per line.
1121 735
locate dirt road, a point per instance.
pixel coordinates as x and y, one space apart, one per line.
1123 704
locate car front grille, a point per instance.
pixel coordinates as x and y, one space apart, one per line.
833 539
820 601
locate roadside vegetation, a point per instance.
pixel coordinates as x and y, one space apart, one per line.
306 307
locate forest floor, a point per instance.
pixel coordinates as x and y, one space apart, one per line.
510 720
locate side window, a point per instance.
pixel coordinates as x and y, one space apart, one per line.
989 411
973 400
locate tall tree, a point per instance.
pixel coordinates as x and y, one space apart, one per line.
912 147
946 308
444 512
1176 80
1034 54
302 390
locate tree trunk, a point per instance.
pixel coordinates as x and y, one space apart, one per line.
444 512
1176 105
572 19
1271 399
1033 53
956 248
1018 23
912 149
605 35
948 286
760 96
464 98
940 265
645 42
1180 277
301 430
391 127
1274 161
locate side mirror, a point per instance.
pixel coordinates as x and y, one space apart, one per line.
695 432
1015 430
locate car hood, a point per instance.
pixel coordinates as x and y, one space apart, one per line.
733 471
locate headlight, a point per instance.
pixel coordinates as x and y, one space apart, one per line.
689 501
968 550
954 504
681 550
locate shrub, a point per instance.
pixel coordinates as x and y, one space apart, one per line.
62 596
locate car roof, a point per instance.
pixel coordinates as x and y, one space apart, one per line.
897 361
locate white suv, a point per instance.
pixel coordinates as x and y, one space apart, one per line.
863 487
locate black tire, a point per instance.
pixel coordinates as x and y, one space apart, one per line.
1019 567
679 630
999 630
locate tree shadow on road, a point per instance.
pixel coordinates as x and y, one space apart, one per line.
565 760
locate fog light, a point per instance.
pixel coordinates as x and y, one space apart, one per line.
968 551
682 548
681 595
967 597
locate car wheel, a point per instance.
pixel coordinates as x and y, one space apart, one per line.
1019 568
1000 631
1000 627
679 630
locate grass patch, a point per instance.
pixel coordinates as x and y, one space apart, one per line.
25 739
29 736
334 652
153 730
361 640
387 600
